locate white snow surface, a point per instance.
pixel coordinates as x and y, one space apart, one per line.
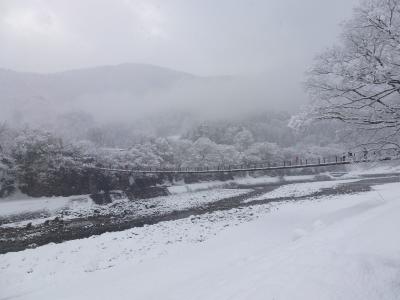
21 203
370 168
339 247
299 189
72 207
181 187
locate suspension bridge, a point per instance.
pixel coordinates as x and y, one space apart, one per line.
265 166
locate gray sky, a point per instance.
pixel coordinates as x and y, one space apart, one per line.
205 37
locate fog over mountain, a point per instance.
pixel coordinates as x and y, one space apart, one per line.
215 60
129 92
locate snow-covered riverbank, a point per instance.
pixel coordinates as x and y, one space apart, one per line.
341 247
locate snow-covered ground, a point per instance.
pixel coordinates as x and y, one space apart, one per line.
338 247
21 203
370 168
20 210
181 187
299 189
51 206
80 206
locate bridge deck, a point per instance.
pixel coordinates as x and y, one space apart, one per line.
226 170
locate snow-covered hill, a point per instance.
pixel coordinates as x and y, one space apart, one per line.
68 85
127 92
29 92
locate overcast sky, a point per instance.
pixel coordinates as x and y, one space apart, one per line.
205 37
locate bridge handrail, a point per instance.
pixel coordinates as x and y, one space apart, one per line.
250 167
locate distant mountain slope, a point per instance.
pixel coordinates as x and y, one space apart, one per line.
129 92
24 93
132 78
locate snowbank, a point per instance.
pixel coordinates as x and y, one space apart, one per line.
299 189
344 247
248 180
74 207
371 168
20 203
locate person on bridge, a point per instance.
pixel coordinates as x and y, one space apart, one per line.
351 155
365 152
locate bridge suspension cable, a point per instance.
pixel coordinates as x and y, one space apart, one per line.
296 164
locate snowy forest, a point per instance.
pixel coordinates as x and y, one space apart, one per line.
48 132
34 158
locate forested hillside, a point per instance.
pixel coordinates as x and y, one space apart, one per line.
52 162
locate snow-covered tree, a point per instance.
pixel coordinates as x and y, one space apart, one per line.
243 140
228 155
44 165
7 164
358 81
204 153
262 152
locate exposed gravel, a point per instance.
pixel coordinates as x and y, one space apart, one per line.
121 215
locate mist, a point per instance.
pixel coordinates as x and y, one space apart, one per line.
130 60
123 93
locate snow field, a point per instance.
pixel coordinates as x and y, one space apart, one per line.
73 207
341 247
299 189
247 180
25 204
